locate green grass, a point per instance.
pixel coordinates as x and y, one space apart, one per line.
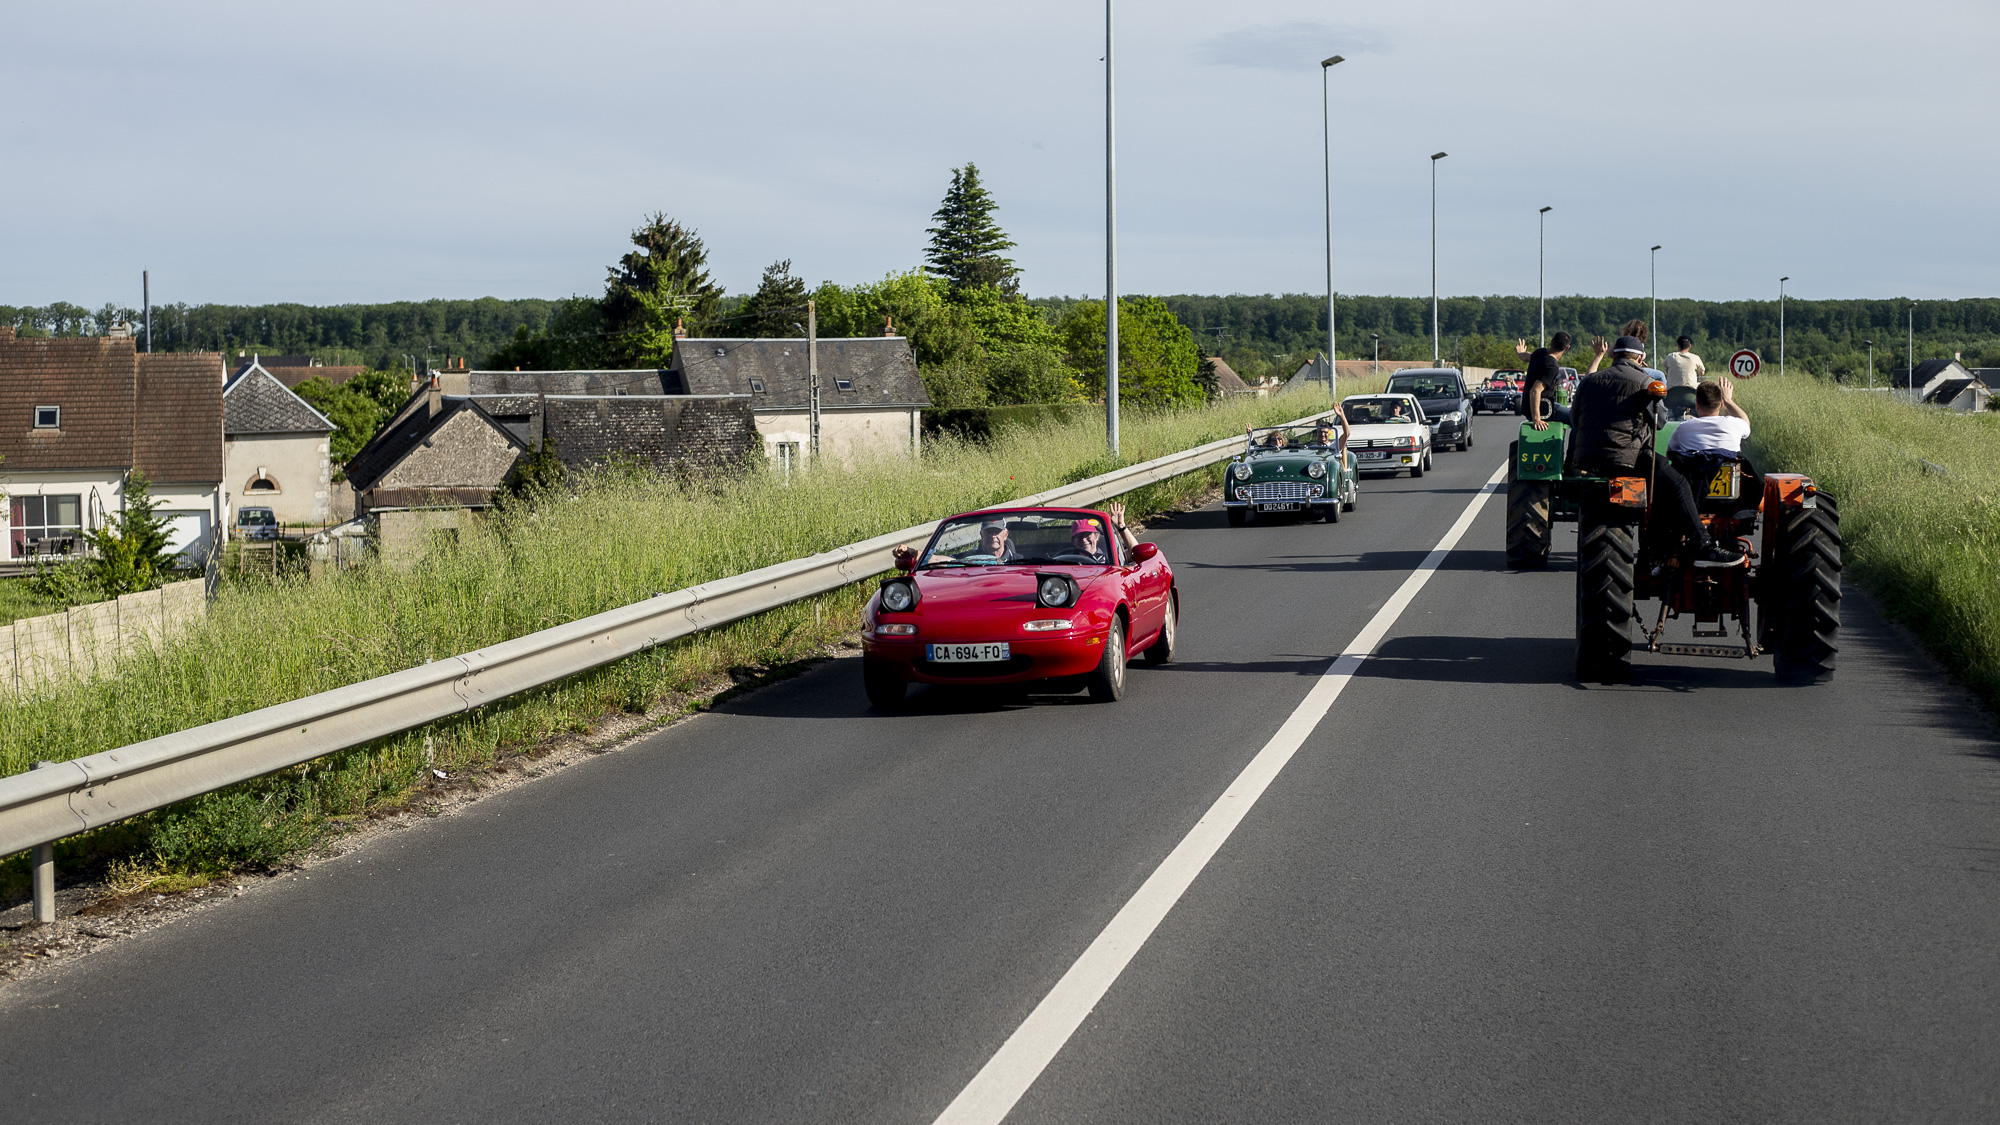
618 540
1926 543
18 600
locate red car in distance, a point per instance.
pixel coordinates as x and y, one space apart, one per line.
1018 595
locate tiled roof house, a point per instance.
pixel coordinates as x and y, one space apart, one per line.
276 449
871 397
78 415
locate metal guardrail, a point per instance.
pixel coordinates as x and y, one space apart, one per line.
78 795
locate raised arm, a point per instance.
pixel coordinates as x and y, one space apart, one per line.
1729 406
1116 511
1598 350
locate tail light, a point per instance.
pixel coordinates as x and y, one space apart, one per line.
1628 492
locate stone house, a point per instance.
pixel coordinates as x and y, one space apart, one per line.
444 458
79 415
871 397
275 450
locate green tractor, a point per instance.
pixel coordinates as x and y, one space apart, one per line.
1790 575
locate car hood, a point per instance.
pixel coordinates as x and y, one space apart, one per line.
1282 464
1379 430
993 587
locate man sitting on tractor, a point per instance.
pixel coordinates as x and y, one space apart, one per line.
1612 436
1715 434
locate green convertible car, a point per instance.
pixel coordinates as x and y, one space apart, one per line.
1304 470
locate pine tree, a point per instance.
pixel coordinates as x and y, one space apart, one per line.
780 300
134 549
966 242
670 262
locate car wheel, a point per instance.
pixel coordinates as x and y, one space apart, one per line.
1353 494
1237 516
1331 512
884 687
1429 462
1417 470
1107 680
1161 651
1467 443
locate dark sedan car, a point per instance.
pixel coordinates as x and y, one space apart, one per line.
1447 405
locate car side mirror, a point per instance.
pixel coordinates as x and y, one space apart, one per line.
1145 551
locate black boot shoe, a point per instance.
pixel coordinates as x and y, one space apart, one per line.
1717 554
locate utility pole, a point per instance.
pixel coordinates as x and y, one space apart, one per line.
812 375
1871 363
1435 157
146 296
1781 326
1541 272
1110 243
1654 317
1377 337
1911 372
1326 138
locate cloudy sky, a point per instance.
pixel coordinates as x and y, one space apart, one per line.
369 150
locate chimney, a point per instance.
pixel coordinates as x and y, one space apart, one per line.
680 330
434 397
889 326
1958 357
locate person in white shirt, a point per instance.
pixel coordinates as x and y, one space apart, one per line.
1718 426
1683 368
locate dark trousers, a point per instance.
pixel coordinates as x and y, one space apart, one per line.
1674 516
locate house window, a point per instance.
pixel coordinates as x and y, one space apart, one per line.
262 484
48 417
46 525
787 454
757 385
844 384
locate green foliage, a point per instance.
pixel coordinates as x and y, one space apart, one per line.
574 337
357 407
1158 362
780 300
61 585
669 262
1491 351
132 547
973 346
537 477
221 832
966 242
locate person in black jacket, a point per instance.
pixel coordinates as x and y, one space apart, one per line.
1611 435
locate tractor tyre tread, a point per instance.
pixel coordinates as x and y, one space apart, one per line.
1607 557
1806 594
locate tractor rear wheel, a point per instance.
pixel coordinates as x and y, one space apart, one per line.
1530 535
1607 557
1801 598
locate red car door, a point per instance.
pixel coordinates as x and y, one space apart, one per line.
1147 584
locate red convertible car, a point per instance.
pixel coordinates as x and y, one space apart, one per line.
1017 595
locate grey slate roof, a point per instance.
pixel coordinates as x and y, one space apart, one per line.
255 402
882 370
642 381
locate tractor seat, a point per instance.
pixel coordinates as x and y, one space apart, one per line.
1680 402
1718 481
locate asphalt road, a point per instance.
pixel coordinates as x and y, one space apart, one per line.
1479 892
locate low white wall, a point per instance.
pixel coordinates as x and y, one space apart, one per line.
90 639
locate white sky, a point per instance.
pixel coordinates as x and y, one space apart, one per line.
369 150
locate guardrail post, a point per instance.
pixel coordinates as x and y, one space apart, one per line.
45 874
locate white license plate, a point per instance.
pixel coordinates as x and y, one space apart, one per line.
969 654
1277 507
1370 455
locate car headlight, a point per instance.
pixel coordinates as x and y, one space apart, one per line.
1316 469
899 595
1455 416
1055 591
1241 470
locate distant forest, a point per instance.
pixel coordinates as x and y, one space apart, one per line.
1257 335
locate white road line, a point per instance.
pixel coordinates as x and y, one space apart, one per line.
992 1093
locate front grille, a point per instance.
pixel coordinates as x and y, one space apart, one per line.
1381 443
1281 490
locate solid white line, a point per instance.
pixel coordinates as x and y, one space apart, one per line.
993 1092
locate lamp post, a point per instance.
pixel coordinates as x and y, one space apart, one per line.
1541 274
1110 245
1910 372
1326 139
1781 326
1435 157
1653 318
1377 337
1871 363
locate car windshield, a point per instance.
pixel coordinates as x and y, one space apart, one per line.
1021 538
1294 437
1425 386
1378 411
256 517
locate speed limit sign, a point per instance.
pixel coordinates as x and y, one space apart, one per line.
1745 364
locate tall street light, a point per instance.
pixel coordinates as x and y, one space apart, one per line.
1110 245
1781 326
1871 363
1653 320
1377 337
1326 138
1435 157
1910 372
1541 272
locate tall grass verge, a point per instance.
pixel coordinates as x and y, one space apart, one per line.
1926 542
619 538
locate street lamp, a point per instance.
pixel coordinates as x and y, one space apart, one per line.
1871 363
1326 138
1435 157
1110 246
1377 337
1541 272
1654 318
1781 326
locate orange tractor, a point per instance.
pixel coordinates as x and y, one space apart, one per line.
1790 574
